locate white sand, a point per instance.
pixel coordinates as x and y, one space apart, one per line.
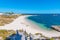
22 23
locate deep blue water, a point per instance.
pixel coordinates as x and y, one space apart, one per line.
47 19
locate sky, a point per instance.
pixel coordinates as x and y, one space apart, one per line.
30 6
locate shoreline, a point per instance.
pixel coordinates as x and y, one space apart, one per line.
26 25
46 33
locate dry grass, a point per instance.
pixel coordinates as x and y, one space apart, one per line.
5 33
7 19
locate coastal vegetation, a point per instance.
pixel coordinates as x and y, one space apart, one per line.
51 38
5 33
7 18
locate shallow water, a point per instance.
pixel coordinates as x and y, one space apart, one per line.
45 20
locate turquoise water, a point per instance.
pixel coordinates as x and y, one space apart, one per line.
45 21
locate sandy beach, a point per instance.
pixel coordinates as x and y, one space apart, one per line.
22 23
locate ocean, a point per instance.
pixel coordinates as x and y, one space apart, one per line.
45 21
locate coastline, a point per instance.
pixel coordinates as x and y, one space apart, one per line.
39 25
22 23
47 33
